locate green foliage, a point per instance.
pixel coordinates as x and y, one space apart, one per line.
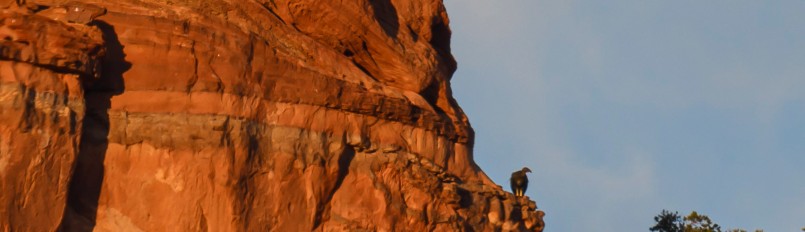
696 222
667 222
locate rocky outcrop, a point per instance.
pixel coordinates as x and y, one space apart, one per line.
217 115
42 65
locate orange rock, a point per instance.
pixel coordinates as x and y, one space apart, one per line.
222 115
42 107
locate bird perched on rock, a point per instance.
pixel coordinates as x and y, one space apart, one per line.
519 182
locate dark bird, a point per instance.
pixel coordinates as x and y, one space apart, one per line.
519 182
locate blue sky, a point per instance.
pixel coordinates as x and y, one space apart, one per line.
623 108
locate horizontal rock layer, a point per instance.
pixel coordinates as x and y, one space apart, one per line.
239 116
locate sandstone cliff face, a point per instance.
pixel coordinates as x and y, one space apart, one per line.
219 115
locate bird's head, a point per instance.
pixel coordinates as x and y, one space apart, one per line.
525 169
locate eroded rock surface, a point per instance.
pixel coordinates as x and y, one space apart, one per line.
217 115
42 107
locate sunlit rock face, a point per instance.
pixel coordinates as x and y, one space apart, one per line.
218 115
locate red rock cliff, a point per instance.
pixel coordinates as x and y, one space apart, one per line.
223 115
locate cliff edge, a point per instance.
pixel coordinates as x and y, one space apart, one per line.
224 115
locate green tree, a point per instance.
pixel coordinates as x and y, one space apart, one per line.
667 222
696 222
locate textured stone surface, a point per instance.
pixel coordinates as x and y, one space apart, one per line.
42 107
189 115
